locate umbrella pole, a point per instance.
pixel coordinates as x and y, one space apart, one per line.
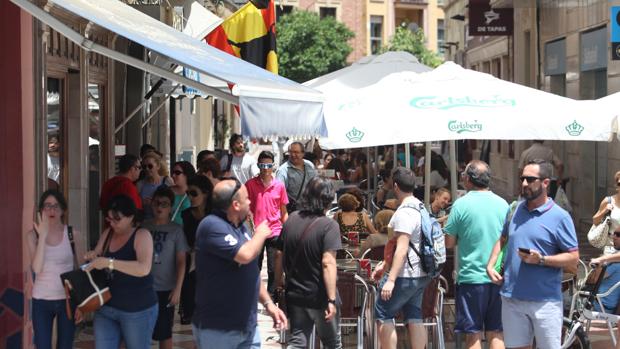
407 159
395 162
427 174
368 186
453 170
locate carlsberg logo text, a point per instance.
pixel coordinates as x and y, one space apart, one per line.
444 103
464 126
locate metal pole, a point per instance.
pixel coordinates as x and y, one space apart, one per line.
368 187
160 105
453 170
427 174
407 158
395 163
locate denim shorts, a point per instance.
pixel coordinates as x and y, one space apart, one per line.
524 320
406 296
478 308
207 338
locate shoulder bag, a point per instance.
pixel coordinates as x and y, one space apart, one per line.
85 290
599 236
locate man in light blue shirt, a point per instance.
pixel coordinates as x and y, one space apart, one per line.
540 240
474 225
295 174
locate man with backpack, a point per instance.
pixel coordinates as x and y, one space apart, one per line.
474 225
238 163
402 288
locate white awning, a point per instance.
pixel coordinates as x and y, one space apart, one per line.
270 105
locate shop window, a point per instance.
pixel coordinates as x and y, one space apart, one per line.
441 36
376 34
55 139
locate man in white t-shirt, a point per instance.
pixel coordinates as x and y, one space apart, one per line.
403 287
238 163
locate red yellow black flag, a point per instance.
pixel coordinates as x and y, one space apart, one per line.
250 34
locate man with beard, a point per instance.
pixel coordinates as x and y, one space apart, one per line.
295 174
228 284
541 240
238 163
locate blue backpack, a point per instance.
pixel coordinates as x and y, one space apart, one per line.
432 247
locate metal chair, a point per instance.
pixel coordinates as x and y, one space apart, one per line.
374 253
344 254
354 293
433 315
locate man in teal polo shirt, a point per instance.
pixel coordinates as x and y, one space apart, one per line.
474 225
540 241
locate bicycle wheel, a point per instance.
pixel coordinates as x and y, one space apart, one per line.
579 341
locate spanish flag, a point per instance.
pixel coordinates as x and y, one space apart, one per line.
250 34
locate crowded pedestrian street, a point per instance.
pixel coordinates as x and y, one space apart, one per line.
304 174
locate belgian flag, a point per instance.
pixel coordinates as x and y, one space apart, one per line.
250 34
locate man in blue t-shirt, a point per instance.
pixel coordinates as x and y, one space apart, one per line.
228 284
474 225
540 240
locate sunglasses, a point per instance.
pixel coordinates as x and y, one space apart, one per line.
193 193
177 173
264 166
529 179
162 204
237 187
149 166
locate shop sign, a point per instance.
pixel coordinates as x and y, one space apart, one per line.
615 32
487 21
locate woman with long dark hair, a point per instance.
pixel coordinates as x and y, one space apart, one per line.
125 251
51 255
182 171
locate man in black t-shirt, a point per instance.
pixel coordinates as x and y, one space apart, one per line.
309 242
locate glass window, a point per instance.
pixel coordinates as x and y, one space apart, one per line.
441 32
283 10
376 34
55 111
95 114
327 11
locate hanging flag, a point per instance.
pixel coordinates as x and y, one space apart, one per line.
250 34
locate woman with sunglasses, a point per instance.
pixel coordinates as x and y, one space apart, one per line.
152 166
199 190
51 254
182 171
610 205
125 251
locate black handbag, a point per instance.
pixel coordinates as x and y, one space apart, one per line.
85 290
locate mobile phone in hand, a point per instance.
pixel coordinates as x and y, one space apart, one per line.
524 250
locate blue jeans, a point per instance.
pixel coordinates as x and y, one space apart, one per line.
134 328
207 338
43 314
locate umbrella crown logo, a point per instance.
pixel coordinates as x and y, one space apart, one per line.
574 129
464 126
355 135
444 103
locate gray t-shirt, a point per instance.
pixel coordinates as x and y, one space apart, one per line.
168 240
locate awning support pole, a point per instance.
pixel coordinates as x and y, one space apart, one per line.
163 102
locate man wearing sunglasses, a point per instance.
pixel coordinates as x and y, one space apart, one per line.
123 183
540 241
228 283
268 204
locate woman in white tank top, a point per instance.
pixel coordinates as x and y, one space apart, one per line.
50 255
610 205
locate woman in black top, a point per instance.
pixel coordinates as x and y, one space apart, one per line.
199 190
126 255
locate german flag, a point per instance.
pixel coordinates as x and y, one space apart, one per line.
250 34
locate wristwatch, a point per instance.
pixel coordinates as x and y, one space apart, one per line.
332 301
111 264
541 261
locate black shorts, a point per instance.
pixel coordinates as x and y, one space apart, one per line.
165 319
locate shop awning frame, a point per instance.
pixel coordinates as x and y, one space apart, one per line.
270 105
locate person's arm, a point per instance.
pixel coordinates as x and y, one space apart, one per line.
610 258
380 196
402 248
603 209
143 245
251 249
278 270
495 277
451 228
279 319
175 295
450 241
560 260
369 226
283 213
329 278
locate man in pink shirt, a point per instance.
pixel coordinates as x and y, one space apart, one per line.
268 203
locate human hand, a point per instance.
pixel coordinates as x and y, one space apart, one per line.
90 255
378 272
595 262
278 316
78 316
263 230
531 258
386 291
175 296
609 207
41 225
97 263
495 277
330 312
